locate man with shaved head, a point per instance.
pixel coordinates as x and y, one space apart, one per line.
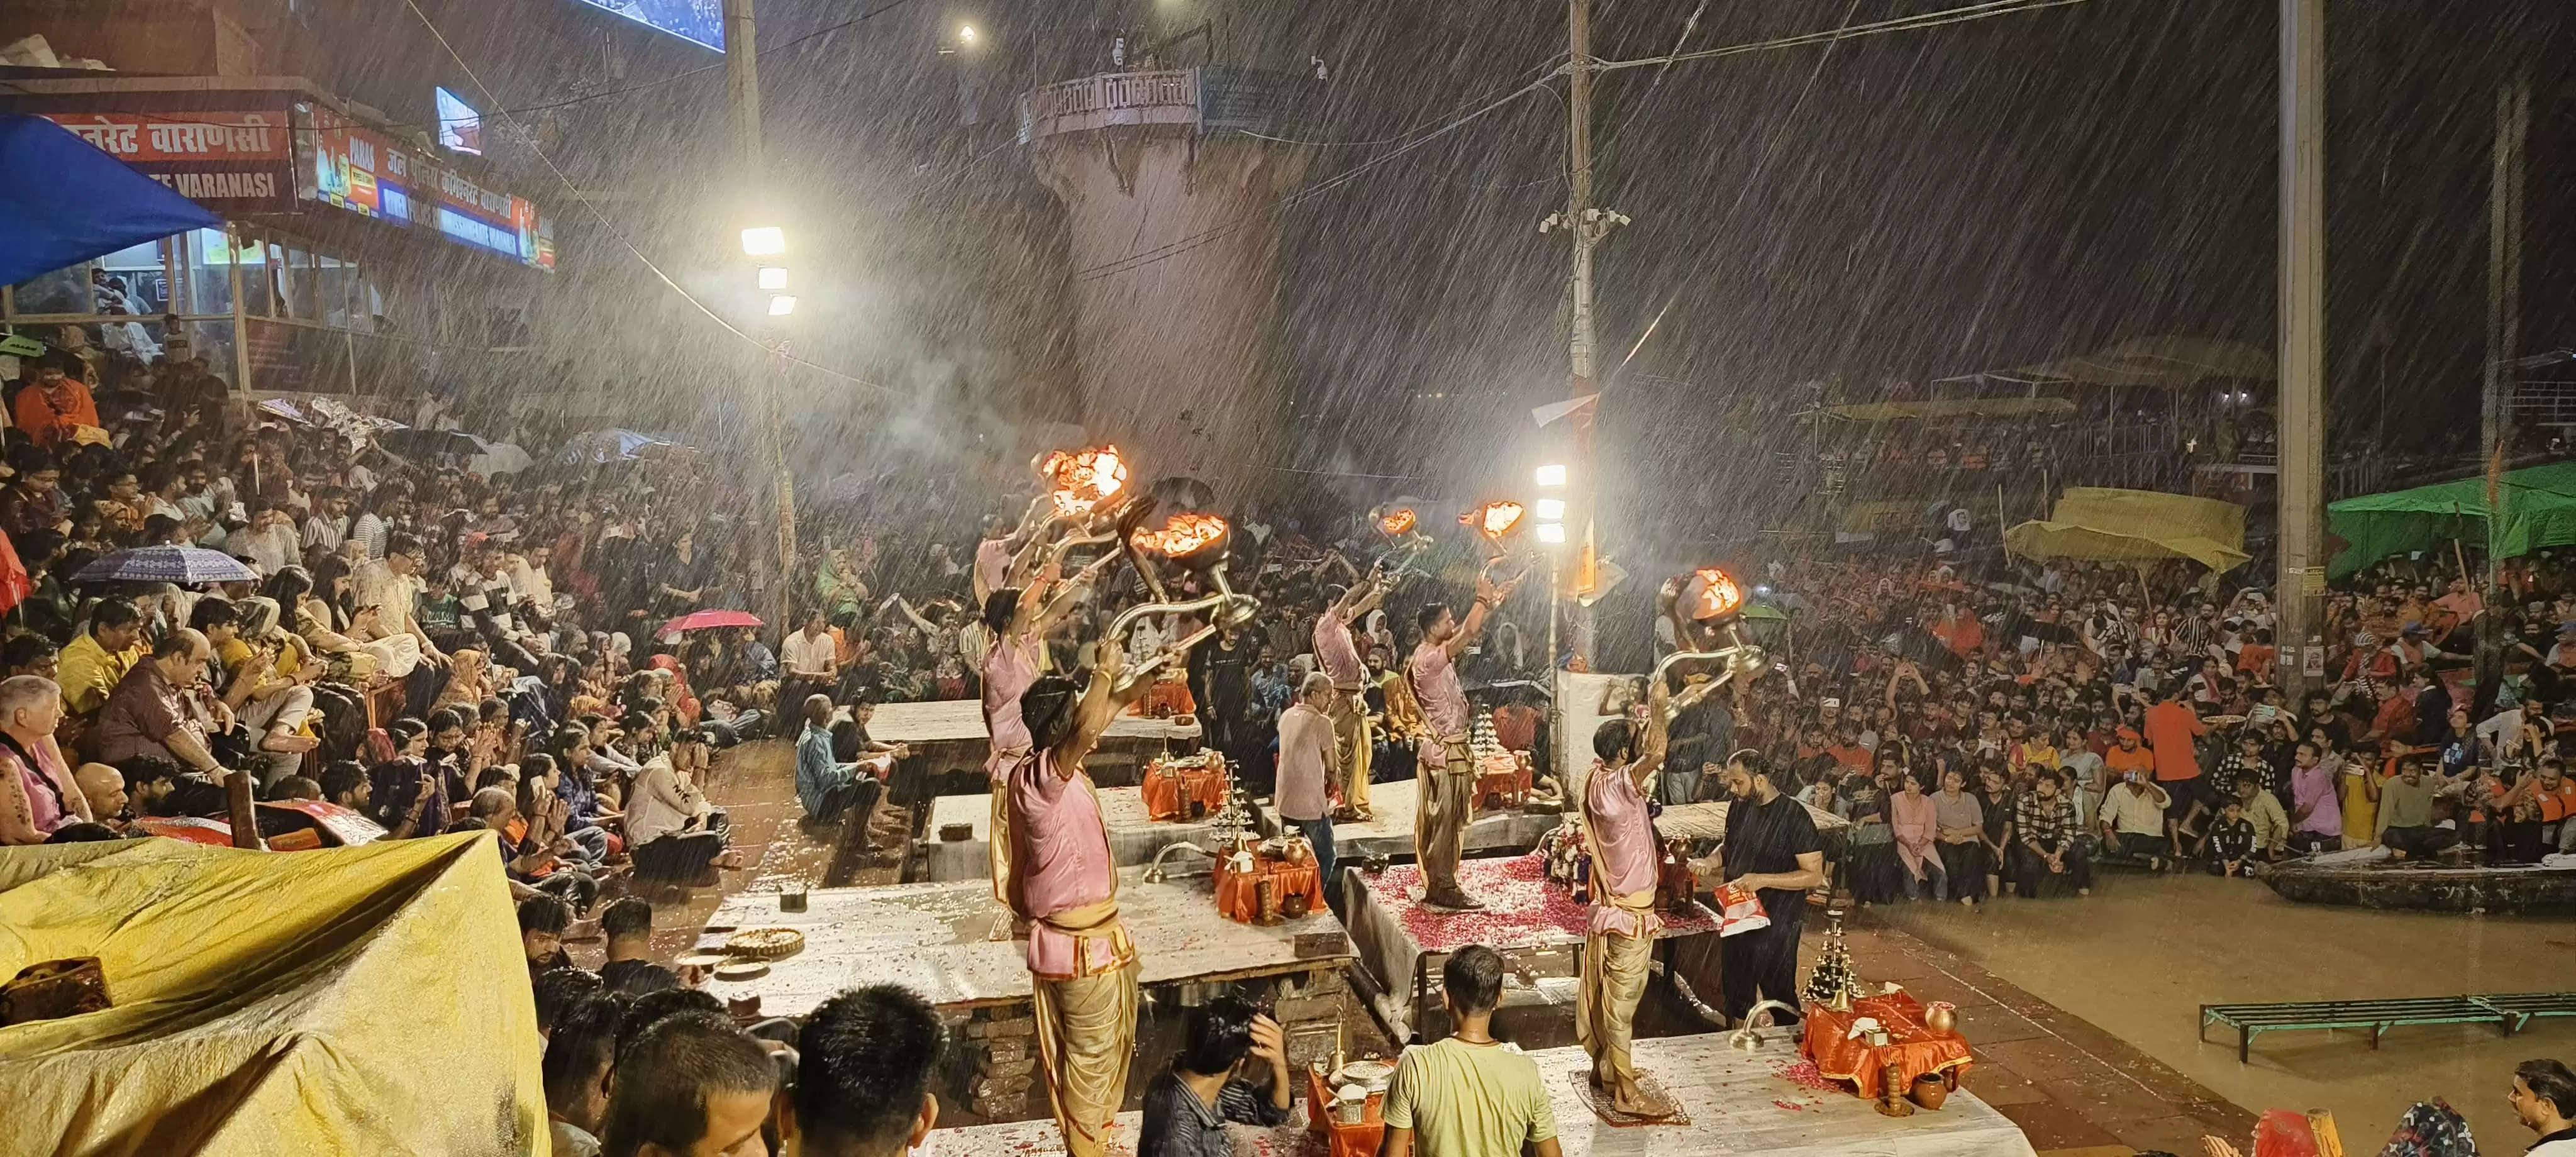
146 716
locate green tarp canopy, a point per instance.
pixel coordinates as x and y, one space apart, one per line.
2539 511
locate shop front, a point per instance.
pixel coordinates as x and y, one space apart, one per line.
352 260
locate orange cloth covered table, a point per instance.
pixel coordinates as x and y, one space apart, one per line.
1915 1049
1505 776
1164 700
1238 894
1170 786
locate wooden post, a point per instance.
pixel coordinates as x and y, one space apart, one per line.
243 811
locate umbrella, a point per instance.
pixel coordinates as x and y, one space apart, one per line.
601 446
184 565
706 620
64 201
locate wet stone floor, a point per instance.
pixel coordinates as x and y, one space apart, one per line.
2082 1010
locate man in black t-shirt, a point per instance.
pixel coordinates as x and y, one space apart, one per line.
628 923
1771 846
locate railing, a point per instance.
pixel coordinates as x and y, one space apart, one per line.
2545 403
1170 96
1214 98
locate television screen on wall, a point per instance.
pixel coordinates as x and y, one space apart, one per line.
459 127
700 22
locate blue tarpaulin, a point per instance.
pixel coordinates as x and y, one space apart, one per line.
62 201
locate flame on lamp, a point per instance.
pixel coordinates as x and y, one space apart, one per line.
1495 520
1182 536
1083 479
1396 523
1719 596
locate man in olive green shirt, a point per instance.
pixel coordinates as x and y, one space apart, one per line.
1468 1095
2406 814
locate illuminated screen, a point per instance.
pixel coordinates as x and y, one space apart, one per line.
700 22
459 126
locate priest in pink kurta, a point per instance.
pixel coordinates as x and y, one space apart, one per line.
1064 883
1620 941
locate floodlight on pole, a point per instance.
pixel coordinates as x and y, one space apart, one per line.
966 35
1551 532
773 277
1552 474
764 241
781 305
1549 509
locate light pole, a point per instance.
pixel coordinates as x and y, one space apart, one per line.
1551 533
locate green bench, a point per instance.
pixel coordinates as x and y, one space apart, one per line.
2509 1012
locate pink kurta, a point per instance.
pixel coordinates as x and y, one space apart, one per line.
1436 688
1009 668
1625 857
992 562
1060 857
1336 653
1917 824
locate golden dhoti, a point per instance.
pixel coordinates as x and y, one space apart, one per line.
1349 714
1615 967
1087 1030
997 844
1440 822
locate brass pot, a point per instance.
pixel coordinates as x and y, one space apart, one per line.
1941 1017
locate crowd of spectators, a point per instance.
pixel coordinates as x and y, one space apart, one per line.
2009 732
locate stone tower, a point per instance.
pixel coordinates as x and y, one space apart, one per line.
1171 192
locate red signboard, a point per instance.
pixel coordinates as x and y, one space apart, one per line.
235 161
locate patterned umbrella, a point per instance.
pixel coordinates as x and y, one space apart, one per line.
184 565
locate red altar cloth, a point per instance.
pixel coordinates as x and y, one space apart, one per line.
1169 786
1505 778
1238 894
1915 1049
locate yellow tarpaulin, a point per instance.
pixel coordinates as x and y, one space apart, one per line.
2103 525
361 1000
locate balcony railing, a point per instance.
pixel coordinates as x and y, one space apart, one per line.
1213 98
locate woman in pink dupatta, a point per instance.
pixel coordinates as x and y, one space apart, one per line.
1917 825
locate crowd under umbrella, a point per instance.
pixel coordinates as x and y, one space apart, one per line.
182 565
705 621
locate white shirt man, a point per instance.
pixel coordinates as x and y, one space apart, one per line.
1307 752
809 652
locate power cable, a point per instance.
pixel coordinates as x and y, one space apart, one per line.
1138 260
1946 16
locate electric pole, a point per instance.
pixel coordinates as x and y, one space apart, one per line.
742 92
2504 342
1587 224
2302 576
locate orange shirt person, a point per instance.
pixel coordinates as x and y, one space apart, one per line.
2171 727
49 408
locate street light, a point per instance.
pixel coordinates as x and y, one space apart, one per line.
764 241
781 305
773 277
966 35
1551 475
1551 532
1549 509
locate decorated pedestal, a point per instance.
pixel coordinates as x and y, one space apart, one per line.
1182 788
1913 1049
1266 886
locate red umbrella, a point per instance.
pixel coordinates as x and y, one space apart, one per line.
703 620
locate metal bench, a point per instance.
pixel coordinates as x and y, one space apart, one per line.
2508 1012
2520 1009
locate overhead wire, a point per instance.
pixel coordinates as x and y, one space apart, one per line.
1170 249
1947 16
684 74
1919 21
620 235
